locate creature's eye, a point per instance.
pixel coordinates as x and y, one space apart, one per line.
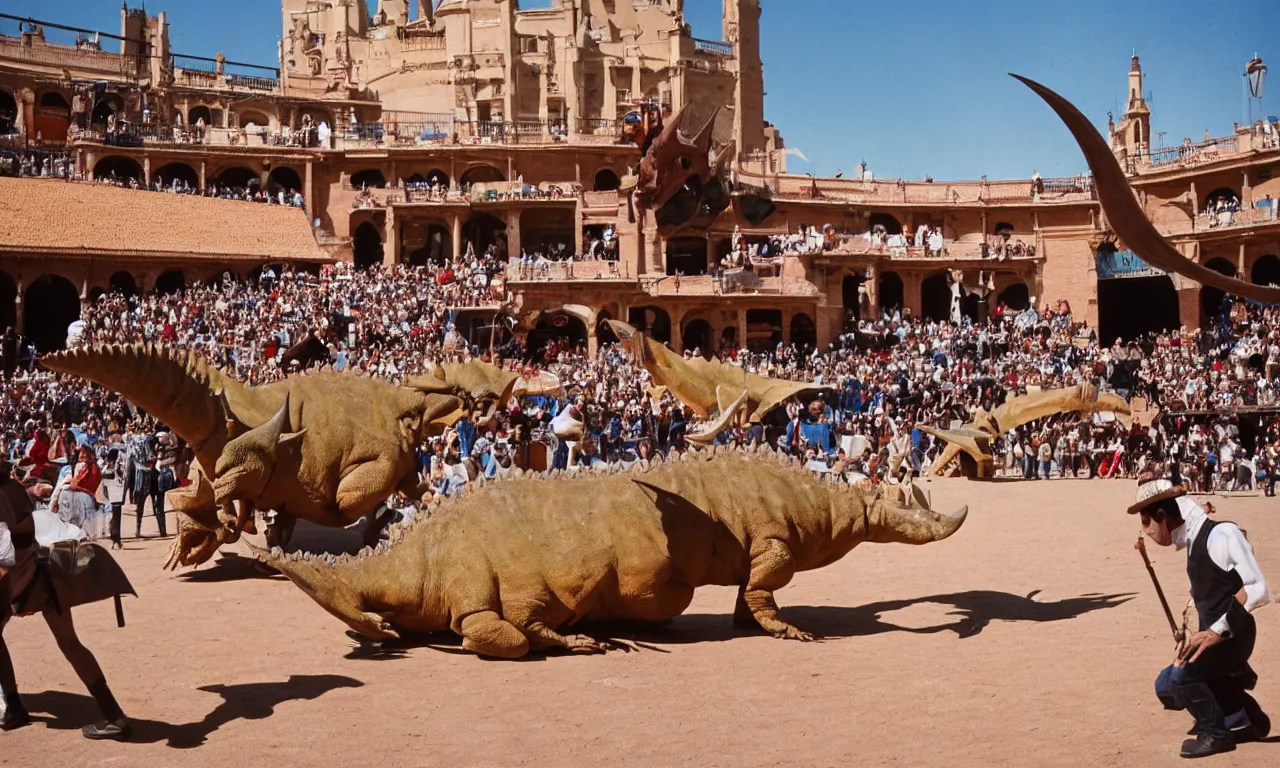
686 163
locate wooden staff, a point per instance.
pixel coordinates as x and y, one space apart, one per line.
1178 634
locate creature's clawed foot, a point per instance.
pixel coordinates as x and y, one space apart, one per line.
373 627
584 644
788 632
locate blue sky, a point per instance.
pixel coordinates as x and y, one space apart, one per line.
912 88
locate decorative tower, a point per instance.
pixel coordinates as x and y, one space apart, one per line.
742 30
1137 116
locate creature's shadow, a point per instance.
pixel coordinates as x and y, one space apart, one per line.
248 701
231 567
976 609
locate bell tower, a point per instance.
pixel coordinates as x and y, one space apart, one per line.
1137 116
742 30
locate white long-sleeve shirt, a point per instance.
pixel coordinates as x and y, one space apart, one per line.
1229 550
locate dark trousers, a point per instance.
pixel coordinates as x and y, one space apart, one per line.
150 484
117 512
1212 688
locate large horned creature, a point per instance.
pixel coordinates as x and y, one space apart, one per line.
680 178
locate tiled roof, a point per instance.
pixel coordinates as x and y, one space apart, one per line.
51 216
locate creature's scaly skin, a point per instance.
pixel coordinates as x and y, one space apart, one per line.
708 386
510 565
678 177
325 447
974 439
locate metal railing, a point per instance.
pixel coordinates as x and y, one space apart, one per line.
67 56
1191 154
718 47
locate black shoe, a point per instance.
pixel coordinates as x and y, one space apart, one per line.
1204 745
15 717
107 731
1259 723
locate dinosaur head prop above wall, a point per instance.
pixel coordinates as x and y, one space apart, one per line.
1125 215
680 180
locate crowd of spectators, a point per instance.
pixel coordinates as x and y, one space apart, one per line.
1205 400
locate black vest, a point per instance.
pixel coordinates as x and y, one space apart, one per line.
1213 589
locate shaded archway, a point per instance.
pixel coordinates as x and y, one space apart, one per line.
764 329
1003 228
851 296
561 326
200 113
284 178
1266 271
8 115
366 246
485 230
1225 193
547 230
698 337
481 174
54 100
1130 307
890 292
935 298
182 173
607 180
117 167
1016 297
8 307
652 321
687 255
173 281
1211 299
50 306
891 225
434 177
436 249
804 333
108 105
252 120
123 283
371 178
237 177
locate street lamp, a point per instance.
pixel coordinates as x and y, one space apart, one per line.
1256 72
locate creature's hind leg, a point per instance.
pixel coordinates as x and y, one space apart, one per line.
663 603
542 637
485 633
772 567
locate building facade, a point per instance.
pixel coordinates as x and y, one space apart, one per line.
416 134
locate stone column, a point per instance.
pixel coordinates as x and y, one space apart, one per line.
513 233
578 244
308 192
742 327
593 342
1240 273
1245 191
391 239
787 317
146 171
544 111
456 223
203 171
912 283
21 287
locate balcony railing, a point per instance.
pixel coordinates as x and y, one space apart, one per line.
898 191
550 271
1191 154
718 47
67 56
1226 220
199 77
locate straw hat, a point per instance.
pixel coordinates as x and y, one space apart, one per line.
1154 492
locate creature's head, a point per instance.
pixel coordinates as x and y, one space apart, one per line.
481 387
246 463
908 520
680 179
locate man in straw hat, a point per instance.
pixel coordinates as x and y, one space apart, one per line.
1210 676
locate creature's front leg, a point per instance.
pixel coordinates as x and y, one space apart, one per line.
487 634
772 567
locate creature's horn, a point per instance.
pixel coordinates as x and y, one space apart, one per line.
1125 214
912 523
278 425
703 139
708 434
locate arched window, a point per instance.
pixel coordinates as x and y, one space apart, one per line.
607 180
367 246
371 178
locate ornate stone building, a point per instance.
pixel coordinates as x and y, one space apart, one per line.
416 133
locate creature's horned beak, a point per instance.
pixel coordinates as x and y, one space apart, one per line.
708 435
623 331
912 523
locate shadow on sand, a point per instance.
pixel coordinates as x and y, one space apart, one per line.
247 701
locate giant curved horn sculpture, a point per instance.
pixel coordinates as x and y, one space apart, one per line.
1125 215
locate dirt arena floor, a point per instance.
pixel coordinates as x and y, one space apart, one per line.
1032 638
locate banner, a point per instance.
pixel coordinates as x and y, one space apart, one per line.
1113 264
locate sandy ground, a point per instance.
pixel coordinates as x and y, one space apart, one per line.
1032 638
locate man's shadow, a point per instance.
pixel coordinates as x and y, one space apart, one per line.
248 701
976 609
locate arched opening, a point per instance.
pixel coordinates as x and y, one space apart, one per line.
562 327
366 246
183 174
50 306
237 177
283 179
1003 228
1016 297
935 298
1130 307
107 106
890 292
890 224
1266 271
173 281
117 168
729 338
804 333
8 113
1212 299
764 329
436 249
607 180
851 294
482 174
484 231
434 177
652 321
123 284
687 255
8 307
54 100
200 113
251 121
371 178
547 230
1221 195
698 338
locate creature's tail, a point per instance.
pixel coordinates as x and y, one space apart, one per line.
332 582
175 386
1125 215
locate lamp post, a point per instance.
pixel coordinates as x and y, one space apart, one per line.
1256 72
